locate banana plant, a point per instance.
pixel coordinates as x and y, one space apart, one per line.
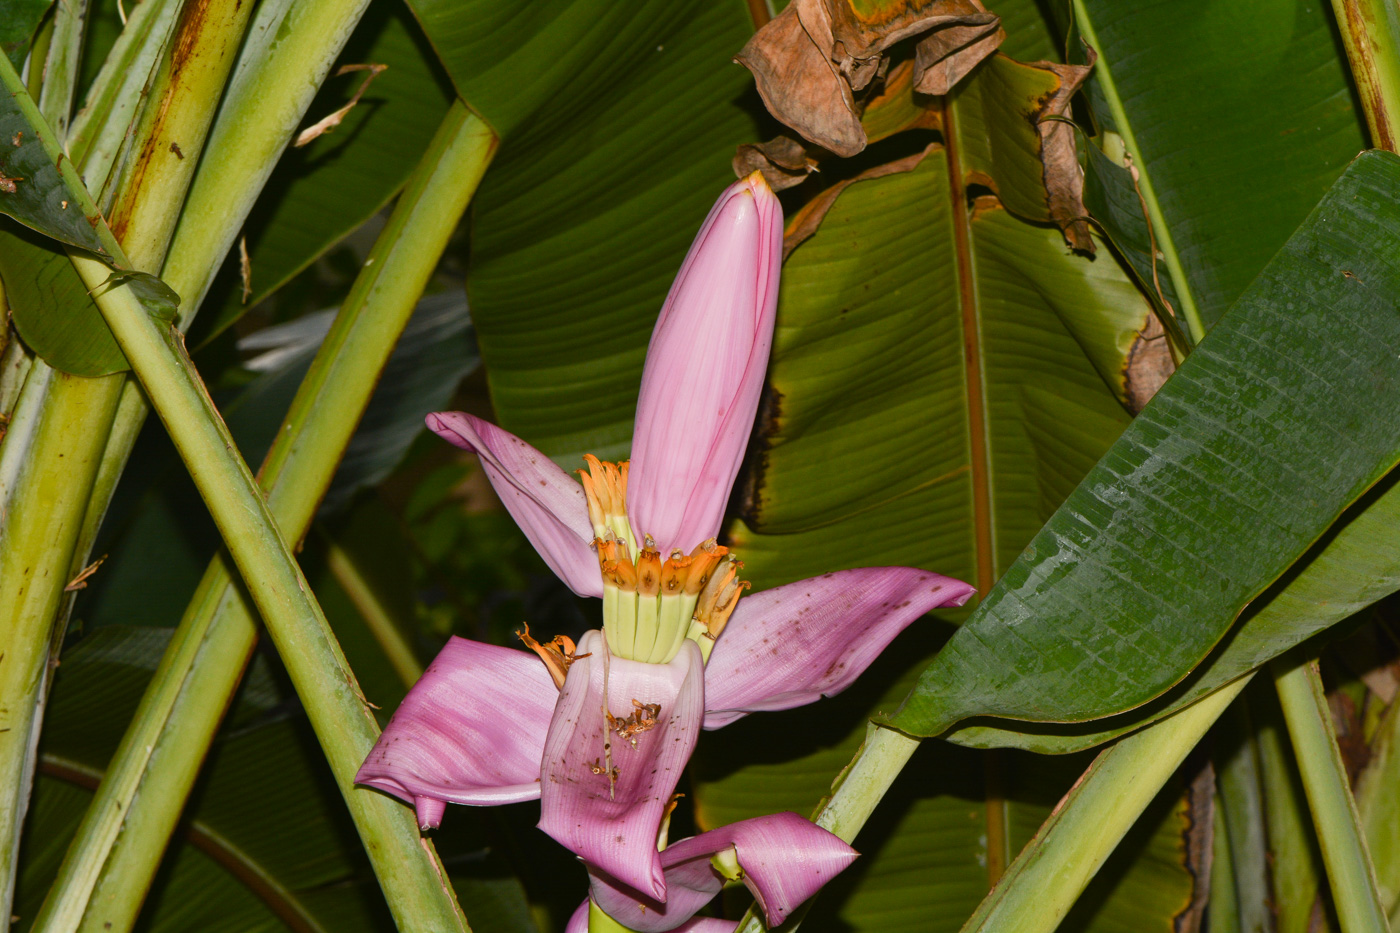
1008 465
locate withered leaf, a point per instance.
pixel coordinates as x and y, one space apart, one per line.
812 59
946 56
1064 179
798 82
1148 366
782 160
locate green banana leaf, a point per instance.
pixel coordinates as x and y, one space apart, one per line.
18 20
1276 423
1239 115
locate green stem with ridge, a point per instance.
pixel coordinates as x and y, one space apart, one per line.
1344 852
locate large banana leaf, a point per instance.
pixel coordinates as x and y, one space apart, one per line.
881 466
1239 115
1277 422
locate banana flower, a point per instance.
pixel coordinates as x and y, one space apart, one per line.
601 731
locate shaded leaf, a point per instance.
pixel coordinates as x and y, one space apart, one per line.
1355 564
39 186
1267 433
51 307
18 20
1236 168
580 225
159 535
435 352
56 315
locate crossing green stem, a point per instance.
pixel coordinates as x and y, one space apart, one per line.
1339 835
119 844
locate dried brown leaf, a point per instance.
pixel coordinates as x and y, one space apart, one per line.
807 220
946 56
814 57
860 39
245 268
798 83
1198 840
783 161
1064 179
1149 364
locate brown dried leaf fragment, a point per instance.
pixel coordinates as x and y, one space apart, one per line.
1064 179
811 61
80 581
948 54
330 122
798 82
1149 364
782 161
807 220
245 268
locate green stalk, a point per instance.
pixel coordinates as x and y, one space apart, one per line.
47 463
1339 835
1103 73
275 86
47 501
117 93
1069 848
119 844
1241 805
65 51
173 127
46 467
14 369
290 49
409 873
1054 868
1371 34
376 618
1296 862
